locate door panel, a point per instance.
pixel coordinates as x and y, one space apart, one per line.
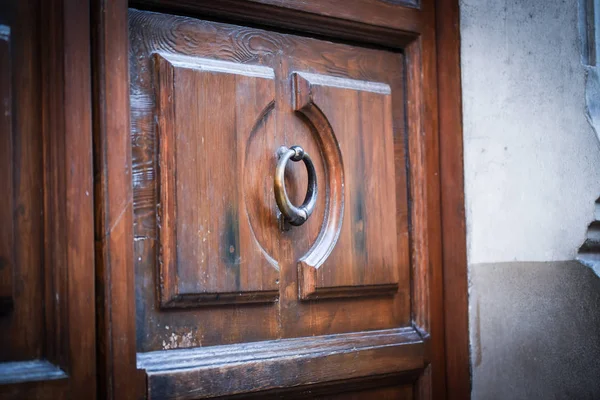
21 227
208 111
46 212
356 254
280 364
224 285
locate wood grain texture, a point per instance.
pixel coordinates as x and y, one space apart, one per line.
29 371
68 195
356 253
428 283
394 386
454 246
366 21
191 39
77 169
113 201
208 112
428 289
224 370
22 179
51 189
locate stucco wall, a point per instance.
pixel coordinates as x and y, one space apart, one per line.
532 175
532 161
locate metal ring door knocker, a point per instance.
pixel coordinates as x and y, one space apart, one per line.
295 215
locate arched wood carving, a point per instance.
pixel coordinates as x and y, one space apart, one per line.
355 253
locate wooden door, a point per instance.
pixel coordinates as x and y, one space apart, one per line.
230 296
215 122
47 305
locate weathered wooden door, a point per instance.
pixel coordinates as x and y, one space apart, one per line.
237 292
270 220
277 212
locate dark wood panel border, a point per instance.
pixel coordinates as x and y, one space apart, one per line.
387 25
454 247
199 373
113 202
66 368
429 39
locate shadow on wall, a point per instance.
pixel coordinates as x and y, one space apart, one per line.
535 331
589 252
532 173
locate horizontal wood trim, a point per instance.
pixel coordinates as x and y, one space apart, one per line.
395 26
252 367
385 289
331 390
29 371
206 299
39 390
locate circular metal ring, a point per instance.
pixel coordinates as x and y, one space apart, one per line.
295 215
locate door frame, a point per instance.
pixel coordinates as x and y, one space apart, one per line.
61 120
430 42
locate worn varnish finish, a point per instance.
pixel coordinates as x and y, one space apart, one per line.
412 76
21 319
113 202
207 112
48 349
364 259
377 22
353 123
198 373
379 387
383 315
453 201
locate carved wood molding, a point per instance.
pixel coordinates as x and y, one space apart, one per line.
46 222
388 24
193 167
362 197
223 370
415 34
29 371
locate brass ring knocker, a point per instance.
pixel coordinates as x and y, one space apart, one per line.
295 215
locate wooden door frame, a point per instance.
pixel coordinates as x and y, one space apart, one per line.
430 41
66 367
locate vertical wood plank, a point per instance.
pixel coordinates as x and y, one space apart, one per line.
79 207
6 175
52 213
453 201
428 306
22 219
113 203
